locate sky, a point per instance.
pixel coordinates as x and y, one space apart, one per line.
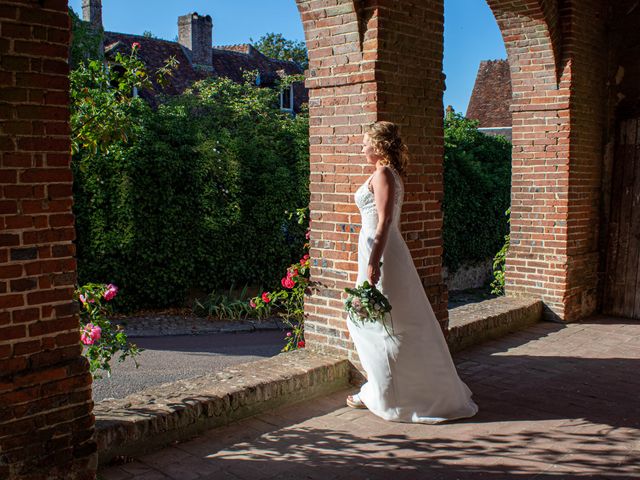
471 33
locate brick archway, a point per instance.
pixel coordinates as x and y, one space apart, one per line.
370 59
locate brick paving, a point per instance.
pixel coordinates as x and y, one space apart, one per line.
556 402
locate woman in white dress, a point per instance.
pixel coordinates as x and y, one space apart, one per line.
410 374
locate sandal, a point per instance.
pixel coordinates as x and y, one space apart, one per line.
354 401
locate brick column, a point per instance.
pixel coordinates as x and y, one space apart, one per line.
410 88
379 61
553 54
46 425
585 45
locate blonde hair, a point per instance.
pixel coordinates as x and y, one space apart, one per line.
386 141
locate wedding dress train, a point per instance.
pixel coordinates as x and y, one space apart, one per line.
410 375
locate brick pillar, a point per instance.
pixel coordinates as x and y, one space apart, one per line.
46 424
410 87
537 259
585 46
556 151
379 61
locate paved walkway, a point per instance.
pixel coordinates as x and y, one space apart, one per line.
555 403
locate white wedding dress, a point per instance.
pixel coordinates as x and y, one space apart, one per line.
410 376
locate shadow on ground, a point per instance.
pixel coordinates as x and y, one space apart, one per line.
556 402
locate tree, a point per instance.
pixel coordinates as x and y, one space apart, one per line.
477 189
274 45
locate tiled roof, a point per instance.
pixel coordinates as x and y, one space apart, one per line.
241 47
154 52
231 64
491 97
228 61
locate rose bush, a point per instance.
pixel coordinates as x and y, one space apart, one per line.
288 302
100 337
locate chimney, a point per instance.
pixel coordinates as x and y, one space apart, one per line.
194 34
92 12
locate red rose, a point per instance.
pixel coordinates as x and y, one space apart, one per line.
301 344
265 297
135 45
287 282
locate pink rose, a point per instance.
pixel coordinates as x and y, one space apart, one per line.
287 282
135 45
288 334
82 298
252 304
265 297
111 292
90 333
96 332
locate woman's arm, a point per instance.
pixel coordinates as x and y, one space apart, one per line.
384 191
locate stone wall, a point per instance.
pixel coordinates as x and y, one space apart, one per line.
46 425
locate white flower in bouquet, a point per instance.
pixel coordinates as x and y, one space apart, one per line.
366 303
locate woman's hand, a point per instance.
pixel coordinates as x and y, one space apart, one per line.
373 273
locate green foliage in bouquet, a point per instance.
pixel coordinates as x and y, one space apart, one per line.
367 304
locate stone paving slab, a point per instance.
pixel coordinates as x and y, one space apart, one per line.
556 402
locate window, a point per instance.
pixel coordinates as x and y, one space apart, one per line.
286 99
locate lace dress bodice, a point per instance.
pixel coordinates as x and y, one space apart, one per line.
365 200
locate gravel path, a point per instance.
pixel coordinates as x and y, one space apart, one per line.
170 358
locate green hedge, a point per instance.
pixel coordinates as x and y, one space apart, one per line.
196 199
477 185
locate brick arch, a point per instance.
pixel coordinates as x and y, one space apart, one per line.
376 60
532 36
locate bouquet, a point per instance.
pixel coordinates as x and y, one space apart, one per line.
366 303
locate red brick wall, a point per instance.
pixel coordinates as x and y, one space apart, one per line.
382 59
410 87
585 46
46 423
557 85
342 98
537 259
359 57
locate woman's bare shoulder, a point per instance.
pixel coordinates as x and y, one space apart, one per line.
383 175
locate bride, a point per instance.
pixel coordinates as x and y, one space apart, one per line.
410 374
